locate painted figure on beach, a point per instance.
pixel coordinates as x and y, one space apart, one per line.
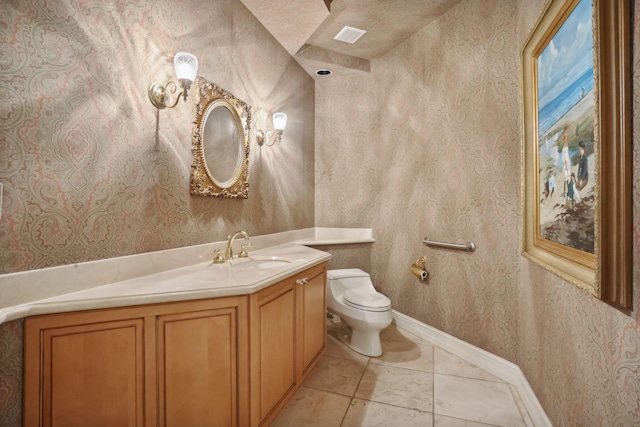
583 168
549 185
566 165
573 196
570 189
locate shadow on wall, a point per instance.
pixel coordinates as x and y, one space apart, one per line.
349 256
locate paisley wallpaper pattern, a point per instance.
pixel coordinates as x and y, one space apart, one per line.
429 144
92 170
11 357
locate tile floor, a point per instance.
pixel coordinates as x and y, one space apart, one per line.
413 383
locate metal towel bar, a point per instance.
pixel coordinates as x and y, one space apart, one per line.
469 246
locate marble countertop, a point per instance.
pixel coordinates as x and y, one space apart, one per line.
241 276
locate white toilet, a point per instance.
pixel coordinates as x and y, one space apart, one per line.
352 297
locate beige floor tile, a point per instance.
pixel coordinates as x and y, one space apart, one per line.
446 363
406 354
336 375
397 386
398 389
373 414
313 408
442 421
476 400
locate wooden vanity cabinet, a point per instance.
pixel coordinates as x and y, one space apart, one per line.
229 361
288 336
168 365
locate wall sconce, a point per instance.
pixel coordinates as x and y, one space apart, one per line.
279 123
186 66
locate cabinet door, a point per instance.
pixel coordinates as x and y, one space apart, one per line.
273 368
312 323
84 370
200 364
176 364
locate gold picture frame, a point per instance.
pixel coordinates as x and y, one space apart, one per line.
220 143
577 139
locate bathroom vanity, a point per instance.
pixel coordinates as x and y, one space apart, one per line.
230 350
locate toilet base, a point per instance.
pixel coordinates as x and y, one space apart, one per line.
363 342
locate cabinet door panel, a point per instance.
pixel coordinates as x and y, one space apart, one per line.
313 317
277 350
273 349
93 375
197 364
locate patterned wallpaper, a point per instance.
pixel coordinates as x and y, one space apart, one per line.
11 364
92 170
435 132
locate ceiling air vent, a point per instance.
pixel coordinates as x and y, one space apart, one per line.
349 34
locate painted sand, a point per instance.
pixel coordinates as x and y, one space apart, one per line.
560 220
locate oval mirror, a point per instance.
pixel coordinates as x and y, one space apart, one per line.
220 143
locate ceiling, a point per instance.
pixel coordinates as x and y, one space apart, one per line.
306 28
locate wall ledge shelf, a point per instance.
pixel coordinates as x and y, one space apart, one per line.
324 236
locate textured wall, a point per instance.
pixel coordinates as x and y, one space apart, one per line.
91 170
429 144
11 362
435 157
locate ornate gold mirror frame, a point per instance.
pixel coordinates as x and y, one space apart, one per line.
203 182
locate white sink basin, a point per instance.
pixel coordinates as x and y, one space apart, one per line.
261 262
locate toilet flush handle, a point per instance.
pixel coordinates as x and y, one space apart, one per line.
302 281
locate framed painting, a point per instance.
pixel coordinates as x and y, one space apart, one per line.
577 146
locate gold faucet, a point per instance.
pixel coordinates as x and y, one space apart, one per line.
228 253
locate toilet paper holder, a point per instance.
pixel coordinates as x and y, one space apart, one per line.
418 268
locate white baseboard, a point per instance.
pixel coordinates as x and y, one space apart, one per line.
501 368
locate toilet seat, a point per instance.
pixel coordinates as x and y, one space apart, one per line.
366 300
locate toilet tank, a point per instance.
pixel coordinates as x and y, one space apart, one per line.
349 278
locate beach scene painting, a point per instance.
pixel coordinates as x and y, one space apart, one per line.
566 117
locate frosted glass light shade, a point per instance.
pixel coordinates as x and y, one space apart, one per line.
279 121
186 66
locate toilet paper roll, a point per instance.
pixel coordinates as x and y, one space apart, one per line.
419 272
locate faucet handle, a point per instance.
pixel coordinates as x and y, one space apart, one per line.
217 257
243 250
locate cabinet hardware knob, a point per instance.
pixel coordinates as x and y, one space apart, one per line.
302 281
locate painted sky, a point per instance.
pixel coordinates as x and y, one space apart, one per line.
567 56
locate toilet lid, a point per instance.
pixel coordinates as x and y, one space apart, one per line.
365 299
